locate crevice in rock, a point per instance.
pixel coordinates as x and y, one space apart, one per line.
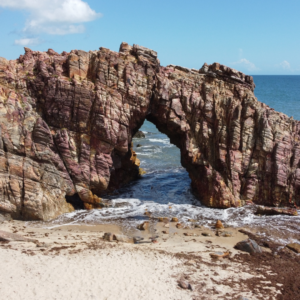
75 201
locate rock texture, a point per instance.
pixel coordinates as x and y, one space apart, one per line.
67 122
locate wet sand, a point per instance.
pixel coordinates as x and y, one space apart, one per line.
74 262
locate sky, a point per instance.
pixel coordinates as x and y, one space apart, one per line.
258 37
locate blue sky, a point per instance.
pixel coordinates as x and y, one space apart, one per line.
255 37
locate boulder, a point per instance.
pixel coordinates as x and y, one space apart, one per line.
174 219
139 135
249 246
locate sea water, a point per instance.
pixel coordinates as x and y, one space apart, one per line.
165 188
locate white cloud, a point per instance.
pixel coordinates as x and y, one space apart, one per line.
246 64
285 65
27 41
57 17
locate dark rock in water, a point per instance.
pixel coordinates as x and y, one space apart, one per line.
294 246
139 135
249 246
265 210
138 145
84 147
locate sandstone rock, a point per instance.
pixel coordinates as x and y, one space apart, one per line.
264 210
249 246
174 219
294 246
67 121
219 225
143 226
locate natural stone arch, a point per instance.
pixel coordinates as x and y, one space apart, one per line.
67 122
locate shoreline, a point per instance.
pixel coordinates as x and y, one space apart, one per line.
75 262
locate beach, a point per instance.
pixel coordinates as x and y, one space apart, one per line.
74 262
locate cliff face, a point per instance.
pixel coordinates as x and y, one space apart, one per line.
67 122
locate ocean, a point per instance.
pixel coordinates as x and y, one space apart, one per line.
165 188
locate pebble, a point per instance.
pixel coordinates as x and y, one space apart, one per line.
219 225
206 234
143 226
185 285
219 255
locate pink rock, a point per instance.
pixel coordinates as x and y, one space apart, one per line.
67 122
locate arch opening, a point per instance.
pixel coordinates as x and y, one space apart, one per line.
166 180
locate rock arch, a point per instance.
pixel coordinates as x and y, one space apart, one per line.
67 122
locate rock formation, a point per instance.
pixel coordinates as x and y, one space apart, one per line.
67 122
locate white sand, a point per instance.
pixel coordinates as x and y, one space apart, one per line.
90 268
